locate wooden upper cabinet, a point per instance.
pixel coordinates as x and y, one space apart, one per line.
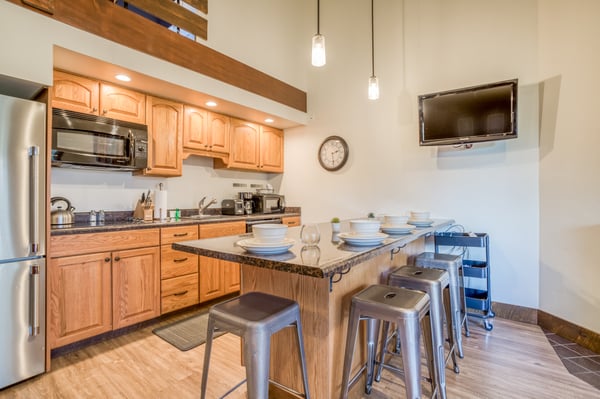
88 96
218 128
254 147
205 133
119 103
271 150
165 126
75 93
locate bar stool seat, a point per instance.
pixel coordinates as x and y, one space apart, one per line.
453 265
435 283
407 308
255 316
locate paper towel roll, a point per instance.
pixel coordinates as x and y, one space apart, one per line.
160 205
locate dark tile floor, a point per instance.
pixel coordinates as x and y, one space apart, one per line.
580 361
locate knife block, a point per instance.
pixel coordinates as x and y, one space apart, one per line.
144 213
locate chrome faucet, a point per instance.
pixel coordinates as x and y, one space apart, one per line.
202 207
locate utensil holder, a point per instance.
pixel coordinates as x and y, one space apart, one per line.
144 213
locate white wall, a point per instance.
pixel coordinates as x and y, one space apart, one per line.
569 161
491 188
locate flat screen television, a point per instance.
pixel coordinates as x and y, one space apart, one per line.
469 115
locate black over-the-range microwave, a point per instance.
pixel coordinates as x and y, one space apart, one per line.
95 142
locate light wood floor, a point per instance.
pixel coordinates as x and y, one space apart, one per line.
513 361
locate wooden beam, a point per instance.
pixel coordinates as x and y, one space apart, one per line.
107 20
201 5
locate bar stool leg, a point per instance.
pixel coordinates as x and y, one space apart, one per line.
372 335
382 349
207 348
350 343
410 343
449 326
257 349
302 358
436 314
428 345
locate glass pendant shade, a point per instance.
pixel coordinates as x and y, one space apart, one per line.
373 88
318 50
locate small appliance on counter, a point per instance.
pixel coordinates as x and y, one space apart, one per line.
268 203
232 207
60 216
248 201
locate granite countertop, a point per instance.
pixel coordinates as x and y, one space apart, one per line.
83 227
330 257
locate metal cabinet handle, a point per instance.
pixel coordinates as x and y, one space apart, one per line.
117 258
180 293
94 109
180 260
34 329
107 259
180 234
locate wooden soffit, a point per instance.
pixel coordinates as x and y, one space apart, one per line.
114 23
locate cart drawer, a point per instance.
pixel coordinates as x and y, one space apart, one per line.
474 268
454 239
476 299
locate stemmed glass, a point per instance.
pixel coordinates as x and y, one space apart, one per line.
310 234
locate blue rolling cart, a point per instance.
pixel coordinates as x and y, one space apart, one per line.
479 298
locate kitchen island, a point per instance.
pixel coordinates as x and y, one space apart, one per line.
322 280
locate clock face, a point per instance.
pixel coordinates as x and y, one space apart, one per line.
333 153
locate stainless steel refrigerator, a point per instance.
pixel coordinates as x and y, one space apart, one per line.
22 239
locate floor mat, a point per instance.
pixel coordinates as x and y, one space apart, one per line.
188 333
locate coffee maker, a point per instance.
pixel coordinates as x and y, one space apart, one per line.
248 204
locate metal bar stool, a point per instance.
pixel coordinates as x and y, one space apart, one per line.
434 282
255 316
453 265
407 308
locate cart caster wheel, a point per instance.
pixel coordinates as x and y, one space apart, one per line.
456 370
488 326
492 313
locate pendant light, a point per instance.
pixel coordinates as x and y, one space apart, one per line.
373 81
318 42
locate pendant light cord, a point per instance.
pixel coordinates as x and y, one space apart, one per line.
318 17
372 42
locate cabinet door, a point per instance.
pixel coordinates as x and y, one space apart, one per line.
179 292
165 124
271 149
291 221
231 277
119 103
75 93
136 286
211 278
245 145
79 298
218 127
195 132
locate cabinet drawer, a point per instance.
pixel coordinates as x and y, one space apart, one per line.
169 235
179 292
176 263
222 229
77 244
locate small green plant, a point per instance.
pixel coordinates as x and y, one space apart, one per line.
371 215
335 220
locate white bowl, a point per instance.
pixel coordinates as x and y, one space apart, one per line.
365 226
419 215
395 220
269 232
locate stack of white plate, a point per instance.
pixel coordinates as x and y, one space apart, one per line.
420 219
268 239
364 232
396 224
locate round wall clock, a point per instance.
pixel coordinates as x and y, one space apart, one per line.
333 153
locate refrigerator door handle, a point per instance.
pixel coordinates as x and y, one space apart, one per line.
34 181
34 328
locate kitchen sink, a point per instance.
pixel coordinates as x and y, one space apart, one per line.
202 217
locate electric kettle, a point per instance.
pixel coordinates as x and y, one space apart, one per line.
60 216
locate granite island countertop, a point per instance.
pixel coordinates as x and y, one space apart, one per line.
330 257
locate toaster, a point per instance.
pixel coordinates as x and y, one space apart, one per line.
232 207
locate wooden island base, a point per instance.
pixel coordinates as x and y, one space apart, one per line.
324 316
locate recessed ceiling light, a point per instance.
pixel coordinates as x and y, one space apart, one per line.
123 78
269 120
211 104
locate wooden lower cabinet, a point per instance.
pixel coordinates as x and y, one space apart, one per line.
136 286
99 282
291 221
80 302
219 277
178 270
